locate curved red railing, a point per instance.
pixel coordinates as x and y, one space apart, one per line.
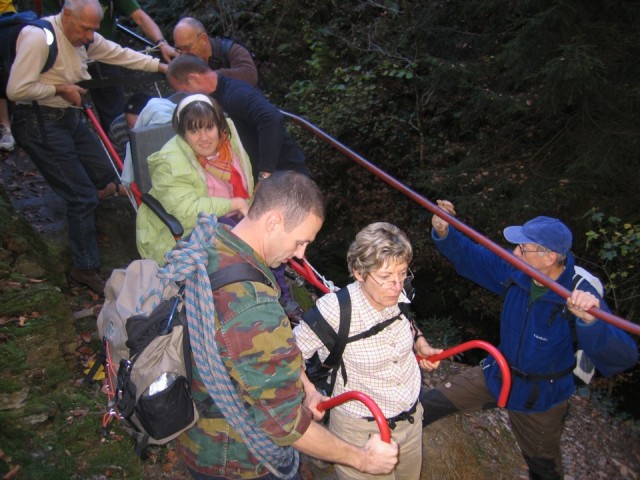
305 271
481 239
385 433
502 363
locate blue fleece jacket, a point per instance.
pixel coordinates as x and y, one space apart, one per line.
535 337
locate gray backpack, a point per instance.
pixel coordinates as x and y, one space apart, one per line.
147 356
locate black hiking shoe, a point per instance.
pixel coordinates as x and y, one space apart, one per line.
88 278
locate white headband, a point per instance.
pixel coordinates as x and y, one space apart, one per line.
198 97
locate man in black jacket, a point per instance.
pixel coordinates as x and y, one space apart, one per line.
260 124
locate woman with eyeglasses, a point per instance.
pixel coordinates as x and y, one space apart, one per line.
383 365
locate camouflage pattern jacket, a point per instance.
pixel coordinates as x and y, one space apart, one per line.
256 343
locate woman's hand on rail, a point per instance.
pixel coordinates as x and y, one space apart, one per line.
439 225
425 350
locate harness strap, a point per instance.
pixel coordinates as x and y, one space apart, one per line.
539 377
402 416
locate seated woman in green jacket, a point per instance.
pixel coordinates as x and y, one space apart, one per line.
204 168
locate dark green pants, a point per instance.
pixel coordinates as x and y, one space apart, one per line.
537 433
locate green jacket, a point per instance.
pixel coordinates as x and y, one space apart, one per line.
179 184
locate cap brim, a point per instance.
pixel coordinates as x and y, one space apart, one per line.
515 235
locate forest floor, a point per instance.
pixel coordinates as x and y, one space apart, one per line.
597 444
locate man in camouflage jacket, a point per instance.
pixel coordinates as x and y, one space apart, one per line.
256 344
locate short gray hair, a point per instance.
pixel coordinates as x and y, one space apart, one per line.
76 6
377 244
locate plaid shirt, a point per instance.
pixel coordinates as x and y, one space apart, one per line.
382 366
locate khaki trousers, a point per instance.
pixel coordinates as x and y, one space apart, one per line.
407 435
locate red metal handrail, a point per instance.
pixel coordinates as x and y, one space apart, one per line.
502 363
385 433
308 274
481 239
111 151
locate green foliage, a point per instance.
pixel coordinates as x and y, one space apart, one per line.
441 331
12 357
510 109
617 245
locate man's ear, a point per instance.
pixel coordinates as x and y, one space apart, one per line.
550 259
193 78
273 221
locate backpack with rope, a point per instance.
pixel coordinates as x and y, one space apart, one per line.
147 357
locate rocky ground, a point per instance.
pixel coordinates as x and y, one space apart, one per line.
597 444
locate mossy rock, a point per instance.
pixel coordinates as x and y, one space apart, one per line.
34 298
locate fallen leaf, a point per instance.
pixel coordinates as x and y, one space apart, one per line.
4 456
85 351
99 375
13 473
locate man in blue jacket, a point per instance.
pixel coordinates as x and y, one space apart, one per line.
535 337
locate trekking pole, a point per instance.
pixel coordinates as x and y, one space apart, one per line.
135 36
495 353
468 231
385 433
134 193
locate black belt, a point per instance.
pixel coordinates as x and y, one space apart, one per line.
406 415
539 377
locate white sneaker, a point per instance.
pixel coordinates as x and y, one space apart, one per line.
7 143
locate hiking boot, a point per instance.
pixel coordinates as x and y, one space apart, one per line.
7 143
88 278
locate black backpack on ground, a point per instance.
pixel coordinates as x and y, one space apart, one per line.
11 24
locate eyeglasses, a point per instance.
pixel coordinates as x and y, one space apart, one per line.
188 48
184 49
408 277
524 251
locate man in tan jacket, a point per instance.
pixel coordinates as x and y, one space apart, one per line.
48 122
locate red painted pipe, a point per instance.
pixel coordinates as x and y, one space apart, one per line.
308 274
109 146
502 363
481 239
385 433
